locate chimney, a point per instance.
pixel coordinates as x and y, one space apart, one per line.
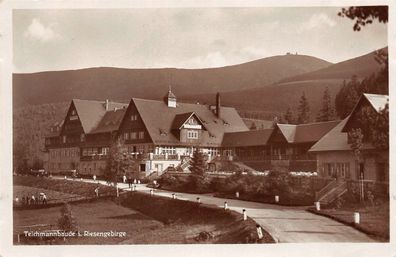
107 105
218 106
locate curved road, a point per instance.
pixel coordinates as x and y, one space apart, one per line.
285 224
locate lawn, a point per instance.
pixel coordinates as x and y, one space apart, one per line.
106 215
374 220
20 191
64 186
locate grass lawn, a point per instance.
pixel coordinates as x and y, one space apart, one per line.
64 186
21 191
374 220
106 215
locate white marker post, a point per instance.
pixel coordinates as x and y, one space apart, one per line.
277 198
173 196
198 200
65 177
259 232
237 194
244 214
317 205
118 193
356 217
225 205
151 192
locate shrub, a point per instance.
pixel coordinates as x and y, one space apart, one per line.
67 221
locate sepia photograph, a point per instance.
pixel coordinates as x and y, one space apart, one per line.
181 125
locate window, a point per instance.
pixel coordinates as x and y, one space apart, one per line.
105 150
126 136
133 135
73 112
141 134
192 134
64 139
134 117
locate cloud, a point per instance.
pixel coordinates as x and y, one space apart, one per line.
37 31
318 20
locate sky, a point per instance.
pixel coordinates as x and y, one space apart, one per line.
49 39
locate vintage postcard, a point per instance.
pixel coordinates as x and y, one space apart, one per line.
225 128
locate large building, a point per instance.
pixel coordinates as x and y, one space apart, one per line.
163 133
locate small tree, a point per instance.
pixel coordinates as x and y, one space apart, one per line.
119 161
303 110
197 164
197 168
67 221
326 113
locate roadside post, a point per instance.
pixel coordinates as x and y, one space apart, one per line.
198 200
317 206
118 193
259 232
237 194
244 214
277 198
173 196
356 218
151 192
225 205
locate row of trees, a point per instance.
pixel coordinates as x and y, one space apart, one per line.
326 113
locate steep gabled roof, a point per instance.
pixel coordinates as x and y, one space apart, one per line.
335 140
110 121
288 131
180 119
246 138
306 133
377 101
314 131
91 112
159 120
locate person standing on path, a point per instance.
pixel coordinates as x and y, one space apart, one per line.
44 198
124 179
97 192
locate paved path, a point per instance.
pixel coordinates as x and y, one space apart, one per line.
285 224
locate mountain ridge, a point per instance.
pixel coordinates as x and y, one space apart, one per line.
121 83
